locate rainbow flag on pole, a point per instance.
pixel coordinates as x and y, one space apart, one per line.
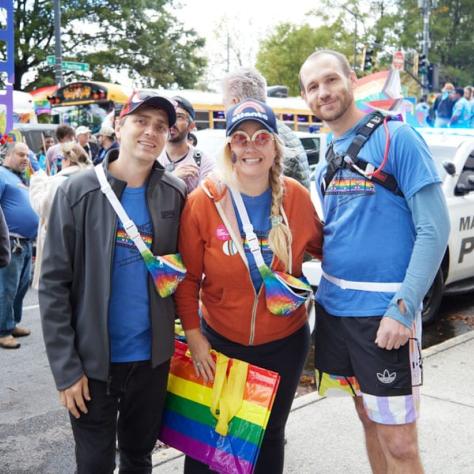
379 91
189 424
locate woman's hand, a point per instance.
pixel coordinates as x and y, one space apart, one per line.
200 348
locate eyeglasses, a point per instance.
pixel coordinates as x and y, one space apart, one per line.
260 139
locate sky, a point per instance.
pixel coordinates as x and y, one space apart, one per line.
203 15
248 22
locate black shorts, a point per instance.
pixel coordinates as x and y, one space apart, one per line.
347 358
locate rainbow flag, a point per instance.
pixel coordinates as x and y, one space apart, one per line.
40 99
190 426
378 91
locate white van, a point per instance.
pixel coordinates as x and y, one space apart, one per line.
453 151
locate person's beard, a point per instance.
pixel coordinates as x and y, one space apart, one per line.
344 101
179 137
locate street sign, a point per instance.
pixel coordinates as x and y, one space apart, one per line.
73 66
398 60
68 65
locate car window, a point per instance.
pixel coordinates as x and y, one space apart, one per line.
312 146
467 172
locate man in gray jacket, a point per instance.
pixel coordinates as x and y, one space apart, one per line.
248 83
108 333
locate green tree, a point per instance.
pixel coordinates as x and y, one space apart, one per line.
282 54
452 37
399 25
139 37
382 25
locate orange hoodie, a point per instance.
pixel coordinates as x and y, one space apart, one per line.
212 250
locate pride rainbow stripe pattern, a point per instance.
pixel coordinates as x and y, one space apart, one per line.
283 292
351 186
189 426
167 271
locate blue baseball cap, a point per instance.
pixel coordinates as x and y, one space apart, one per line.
250 109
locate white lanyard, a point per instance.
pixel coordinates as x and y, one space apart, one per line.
128 224
250 236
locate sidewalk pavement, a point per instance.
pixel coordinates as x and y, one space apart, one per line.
324 435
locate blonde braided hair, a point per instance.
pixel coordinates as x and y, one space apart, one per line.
279 238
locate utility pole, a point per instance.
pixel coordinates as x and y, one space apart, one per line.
426 6
58 66
356 17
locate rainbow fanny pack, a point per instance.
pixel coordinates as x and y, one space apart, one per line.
167 271
284 293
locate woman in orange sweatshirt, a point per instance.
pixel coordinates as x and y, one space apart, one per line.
232 273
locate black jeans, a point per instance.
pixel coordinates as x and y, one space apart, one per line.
129 408
285 356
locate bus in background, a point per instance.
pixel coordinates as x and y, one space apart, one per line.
293 111
87 103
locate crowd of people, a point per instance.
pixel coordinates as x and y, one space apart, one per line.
453 107
237 228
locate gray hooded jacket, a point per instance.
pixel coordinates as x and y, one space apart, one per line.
75 282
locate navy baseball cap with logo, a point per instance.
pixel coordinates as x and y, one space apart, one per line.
145 98
250 109
185 105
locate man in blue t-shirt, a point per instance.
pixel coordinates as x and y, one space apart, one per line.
22 223
381 251
108 332
461 117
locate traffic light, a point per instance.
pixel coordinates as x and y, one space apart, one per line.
423 64
433 77
367 59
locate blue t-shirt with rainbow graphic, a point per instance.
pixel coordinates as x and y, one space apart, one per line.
258 209
129 313
369 232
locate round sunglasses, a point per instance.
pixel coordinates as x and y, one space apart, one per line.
260 139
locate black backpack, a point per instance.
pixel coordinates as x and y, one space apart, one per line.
197 155
350 160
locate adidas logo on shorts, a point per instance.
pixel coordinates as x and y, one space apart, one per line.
386 377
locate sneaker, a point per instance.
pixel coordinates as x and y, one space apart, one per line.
9 342
20 332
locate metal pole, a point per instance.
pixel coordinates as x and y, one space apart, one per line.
355 43
58 69
355 15
426 40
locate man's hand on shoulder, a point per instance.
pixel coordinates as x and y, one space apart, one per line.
391 333
74 398
188 170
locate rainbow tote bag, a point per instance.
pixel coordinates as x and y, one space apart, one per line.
219 423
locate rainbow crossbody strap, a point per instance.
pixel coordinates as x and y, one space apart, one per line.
283 292
167 271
